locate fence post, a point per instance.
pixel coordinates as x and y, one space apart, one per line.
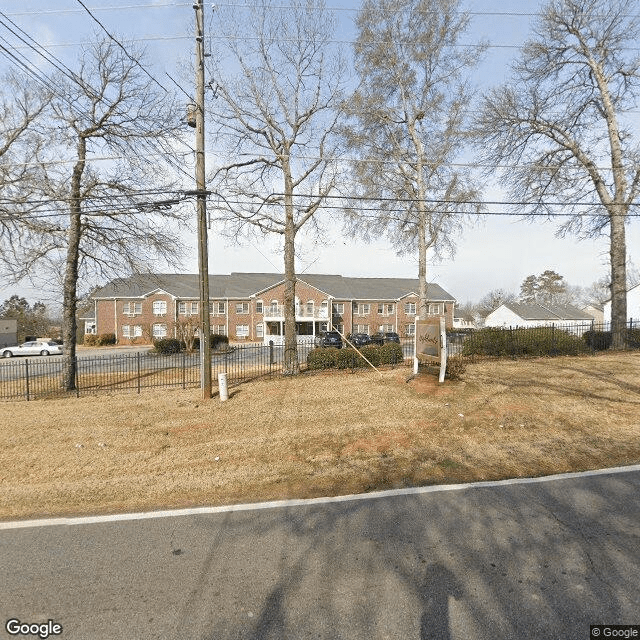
75 368
26 373
138 369
184 370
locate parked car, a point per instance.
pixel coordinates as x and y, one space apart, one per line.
360 339
328 339
384 338
33 348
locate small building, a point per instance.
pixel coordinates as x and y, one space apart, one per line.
596 310
633 305
521 314
250 306
8 332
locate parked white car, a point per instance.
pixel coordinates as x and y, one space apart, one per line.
33 348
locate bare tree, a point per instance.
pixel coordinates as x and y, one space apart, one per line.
22 104
100 217
407 127
561 123
275 115
492 300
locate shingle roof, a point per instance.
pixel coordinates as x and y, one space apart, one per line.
534 311
244 285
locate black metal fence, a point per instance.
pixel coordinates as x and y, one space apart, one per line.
41 377
549 341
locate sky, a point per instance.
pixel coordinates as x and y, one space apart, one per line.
497 253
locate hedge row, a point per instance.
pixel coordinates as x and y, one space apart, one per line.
601 340
331 358
533 341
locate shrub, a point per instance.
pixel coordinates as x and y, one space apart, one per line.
323 358
105 339
332 358
216 341
597 340
90 340
167 346
391 353
531 341
633 338
456 368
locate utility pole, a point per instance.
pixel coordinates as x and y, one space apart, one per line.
203 251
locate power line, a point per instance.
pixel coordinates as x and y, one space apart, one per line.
117 42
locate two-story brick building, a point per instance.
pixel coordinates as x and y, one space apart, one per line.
249 306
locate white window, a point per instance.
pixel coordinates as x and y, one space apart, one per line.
259 306
260 330
310 306
339 327
386 327
242 307
126 331
194 308
324 326
338 308
159 307
385 309
409 329
363 309
132 308
219 329
137 331
182 308
435 309
242 331
159 330
362 328
410 308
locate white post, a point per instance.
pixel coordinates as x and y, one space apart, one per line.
222 387
415 346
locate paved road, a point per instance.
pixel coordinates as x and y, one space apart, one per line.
531 560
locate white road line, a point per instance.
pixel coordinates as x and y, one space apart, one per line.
173 513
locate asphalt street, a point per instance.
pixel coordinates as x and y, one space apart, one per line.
539 559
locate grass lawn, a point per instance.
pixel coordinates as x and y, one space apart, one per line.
318 434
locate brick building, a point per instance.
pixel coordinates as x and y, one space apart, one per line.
249 306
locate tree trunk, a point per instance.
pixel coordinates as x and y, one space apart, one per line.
618 254
69 301
291 364
423 309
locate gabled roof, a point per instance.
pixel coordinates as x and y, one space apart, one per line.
245 285
535 311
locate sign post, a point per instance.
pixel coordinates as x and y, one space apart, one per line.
431 344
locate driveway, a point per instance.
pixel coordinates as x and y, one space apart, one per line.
526 560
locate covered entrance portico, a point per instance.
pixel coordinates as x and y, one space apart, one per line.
309 323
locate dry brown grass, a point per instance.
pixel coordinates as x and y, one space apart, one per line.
318 434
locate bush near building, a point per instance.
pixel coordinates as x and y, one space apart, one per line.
102 340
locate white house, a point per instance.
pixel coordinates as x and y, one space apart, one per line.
520 314
633 305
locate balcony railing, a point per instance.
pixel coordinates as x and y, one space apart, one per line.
303 312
